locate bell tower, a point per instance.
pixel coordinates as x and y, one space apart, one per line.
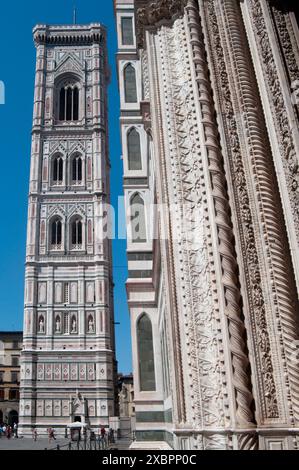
69 346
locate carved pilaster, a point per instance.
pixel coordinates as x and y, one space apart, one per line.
282 115
222 78
273 253
229 266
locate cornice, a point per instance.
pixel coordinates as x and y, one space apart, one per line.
69 34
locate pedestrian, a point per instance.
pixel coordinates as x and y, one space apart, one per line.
103 433
34 434
53 434
15 431
8 432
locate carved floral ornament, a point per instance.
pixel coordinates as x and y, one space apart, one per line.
151 14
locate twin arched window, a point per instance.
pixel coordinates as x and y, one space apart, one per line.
58 170
146 354
76 233
134 150
130 84
69 103
138 222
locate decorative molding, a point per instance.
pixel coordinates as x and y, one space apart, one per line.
155 13
283 289
253 289
227 254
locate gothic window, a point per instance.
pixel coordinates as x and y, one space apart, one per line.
138 219
69 103
77 170
146 354
56 233
76 234
134 150
127 31
58 170
130 84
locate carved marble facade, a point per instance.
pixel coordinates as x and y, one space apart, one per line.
219 278
68 321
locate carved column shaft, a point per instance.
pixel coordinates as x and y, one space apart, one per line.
228 109
273 253
230 282
273 52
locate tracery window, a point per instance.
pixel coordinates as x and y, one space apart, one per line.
77 170
76 234
57 170
56 233
69 103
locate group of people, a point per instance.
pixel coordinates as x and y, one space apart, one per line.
50 431
9 431
103 434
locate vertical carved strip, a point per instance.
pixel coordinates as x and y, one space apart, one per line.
261 343
282 120
283 286
233 308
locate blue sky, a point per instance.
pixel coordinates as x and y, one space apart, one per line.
17 65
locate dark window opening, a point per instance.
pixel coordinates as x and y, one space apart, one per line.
77 170
130 84
56 232
127 31
57 170
77 233
134 150
146 354
69 103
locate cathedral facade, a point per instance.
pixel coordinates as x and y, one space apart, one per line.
68 367
210 137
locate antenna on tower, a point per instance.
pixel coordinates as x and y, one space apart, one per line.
75 14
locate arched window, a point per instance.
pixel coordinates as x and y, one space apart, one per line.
134 150
146 354
57 170
56 233
138 219
69 103
130 84
76 233
77 170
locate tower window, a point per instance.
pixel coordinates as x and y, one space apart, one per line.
130 84
134 150
146 354
58 170
69 103
56 233
138 219
76 233
77 170
127 31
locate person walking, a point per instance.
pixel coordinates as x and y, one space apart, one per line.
34 434
15 431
